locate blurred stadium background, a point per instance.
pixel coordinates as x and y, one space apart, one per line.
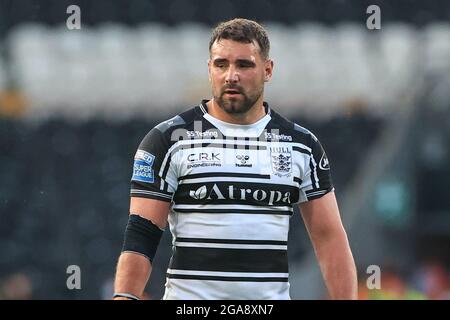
74 104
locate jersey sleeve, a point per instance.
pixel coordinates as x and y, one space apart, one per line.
153 174
316 180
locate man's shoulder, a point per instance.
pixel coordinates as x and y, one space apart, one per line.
298 133
163 133
183 119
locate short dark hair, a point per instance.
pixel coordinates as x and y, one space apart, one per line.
242 30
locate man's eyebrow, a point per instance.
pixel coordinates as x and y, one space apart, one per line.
246 61
220 60
240 61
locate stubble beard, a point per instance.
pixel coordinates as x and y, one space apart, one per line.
241 105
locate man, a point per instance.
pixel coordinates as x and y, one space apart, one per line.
225 175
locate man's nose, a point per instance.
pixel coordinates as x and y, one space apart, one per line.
232 75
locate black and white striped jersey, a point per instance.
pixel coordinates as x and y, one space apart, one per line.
232 189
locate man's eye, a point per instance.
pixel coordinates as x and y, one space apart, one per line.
220 66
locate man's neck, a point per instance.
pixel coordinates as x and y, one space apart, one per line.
256 112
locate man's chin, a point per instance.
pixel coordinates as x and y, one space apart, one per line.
233 107
234 104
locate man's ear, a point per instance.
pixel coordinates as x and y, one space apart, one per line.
268 70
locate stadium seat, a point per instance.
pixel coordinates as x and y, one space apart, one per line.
437 48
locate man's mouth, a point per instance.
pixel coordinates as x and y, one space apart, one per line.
232 92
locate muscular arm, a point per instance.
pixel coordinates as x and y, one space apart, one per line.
133 270
329 239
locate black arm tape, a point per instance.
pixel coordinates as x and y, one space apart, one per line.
141 236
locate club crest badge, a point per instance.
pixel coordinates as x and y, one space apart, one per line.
281 159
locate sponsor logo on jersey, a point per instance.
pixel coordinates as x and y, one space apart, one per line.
203 156
269 197
277 137
201 134
204 159
324 164
242 160
198 194
281 159
143 167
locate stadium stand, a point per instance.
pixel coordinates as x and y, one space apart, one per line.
155 66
